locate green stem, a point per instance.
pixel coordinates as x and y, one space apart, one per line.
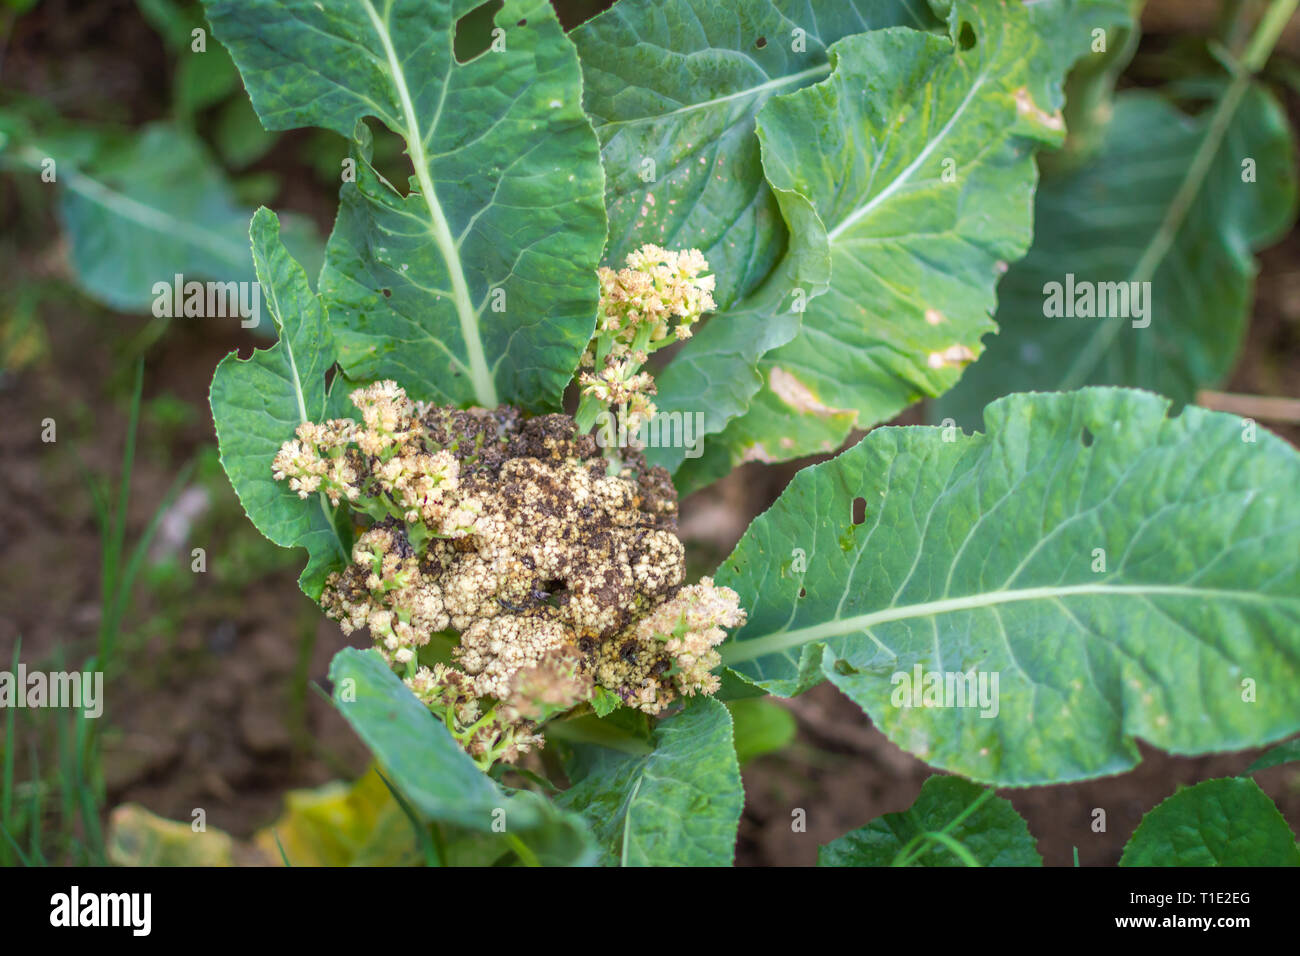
485 719
1267 33
733 652
588 409
663 343
526 856
639 344
906 856
115 541
439 844
604 342
954 846
418 535
1233 17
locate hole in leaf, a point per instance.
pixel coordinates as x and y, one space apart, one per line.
388 157
474 31
859 510
803 592
760 42
1086 438
966 36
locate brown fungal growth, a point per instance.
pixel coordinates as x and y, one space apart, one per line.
556 575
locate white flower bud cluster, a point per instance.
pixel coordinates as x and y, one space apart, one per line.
653 302
657 287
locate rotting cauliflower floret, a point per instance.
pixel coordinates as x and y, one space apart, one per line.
690 625
557 575
384 590
488 737
494 651
671 649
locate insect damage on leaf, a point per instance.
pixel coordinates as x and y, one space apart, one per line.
798 396
954 356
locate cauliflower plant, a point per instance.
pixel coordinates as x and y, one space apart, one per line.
557 576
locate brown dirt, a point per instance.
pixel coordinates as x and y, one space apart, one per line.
210 706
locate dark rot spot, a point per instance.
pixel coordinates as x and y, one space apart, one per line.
388 293
761 42
628 652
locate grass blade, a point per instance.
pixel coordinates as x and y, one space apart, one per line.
7 771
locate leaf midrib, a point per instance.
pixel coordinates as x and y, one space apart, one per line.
749 91
144 215
480 376
902 178
778 641
627 821
1171 224
286 342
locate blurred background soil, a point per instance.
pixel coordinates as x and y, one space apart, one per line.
210 703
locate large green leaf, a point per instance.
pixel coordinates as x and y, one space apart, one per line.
673 89
1074 30
258 402
148 207
916 154
658 112
924 182
1119 219
948 810
426 764
1120 573
479 284
677 806
415 749
1229 822
1069 31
